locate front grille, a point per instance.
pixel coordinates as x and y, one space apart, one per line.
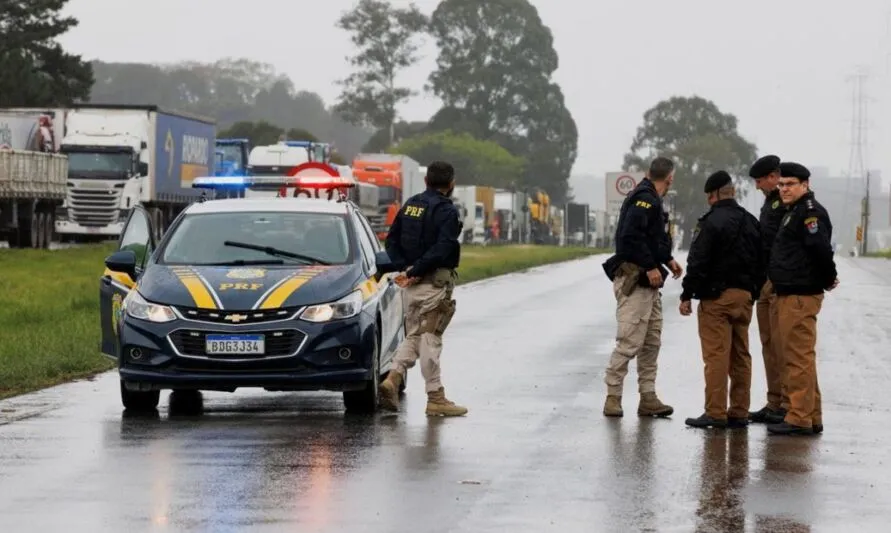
236 317
278 343
93 207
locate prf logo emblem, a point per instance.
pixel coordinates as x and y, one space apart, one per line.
246 273
236 318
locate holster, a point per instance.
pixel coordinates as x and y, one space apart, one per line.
446 312
629 274
442 277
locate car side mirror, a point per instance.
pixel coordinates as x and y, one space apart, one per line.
123 261
384 263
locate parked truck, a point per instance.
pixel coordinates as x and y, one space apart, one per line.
397 177
32 176
120 156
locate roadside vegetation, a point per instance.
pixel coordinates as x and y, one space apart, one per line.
886 253
50 311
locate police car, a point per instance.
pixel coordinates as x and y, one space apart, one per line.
277 293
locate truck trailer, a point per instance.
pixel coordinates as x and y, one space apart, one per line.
32 176
120 156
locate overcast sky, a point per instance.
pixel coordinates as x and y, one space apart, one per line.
780 67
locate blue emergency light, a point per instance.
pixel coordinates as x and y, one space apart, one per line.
272 182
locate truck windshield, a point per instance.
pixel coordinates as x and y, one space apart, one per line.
200 238
231 155
98 162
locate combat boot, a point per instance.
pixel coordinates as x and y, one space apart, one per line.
651 406
389 391
613 406
439 405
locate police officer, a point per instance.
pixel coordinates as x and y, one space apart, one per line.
766 173
424 239
642 247
801 268
725 273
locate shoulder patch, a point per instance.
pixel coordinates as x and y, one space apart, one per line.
787 218
775 204
810 204
641 203
811 224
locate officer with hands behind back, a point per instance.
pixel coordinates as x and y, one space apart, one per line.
424 240
642 247
725 273
801 268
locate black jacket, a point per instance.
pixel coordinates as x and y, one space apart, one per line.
801 260
424 235
641 236
772 213
725 253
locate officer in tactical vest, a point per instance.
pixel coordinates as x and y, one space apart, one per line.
642 247
725 273
424 241
802 268
766 173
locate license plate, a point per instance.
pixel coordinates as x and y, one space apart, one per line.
235 345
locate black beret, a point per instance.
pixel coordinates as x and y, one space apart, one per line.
717 180
764 166
794 170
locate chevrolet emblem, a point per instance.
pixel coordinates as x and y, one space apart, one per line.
235 318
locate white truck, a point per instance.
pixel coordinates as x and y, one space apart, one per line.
474 214
120 156
32 176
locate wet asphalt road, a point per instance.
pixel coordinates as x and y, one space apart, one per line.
526 354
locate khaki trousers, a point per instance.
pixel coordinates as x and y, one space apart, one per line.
774 367
798 331
639 317
428 311
724 335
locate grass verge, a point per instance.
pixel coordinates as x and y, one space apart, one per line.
881 253
50 311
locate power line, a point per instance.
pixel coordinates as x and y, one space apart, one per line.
857 157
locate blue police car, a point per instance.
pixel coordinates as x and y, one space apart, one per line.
275 293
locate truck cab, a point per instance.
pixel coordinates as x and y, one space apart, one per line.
232 160
107 154
277 159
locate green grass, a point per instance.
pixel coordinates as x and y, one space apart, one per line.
50 317
50 313
881 253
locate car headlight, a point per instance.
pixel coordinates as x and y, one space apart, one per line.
137 307
347 307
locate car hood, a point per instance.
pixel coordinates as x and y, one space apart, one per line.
246 288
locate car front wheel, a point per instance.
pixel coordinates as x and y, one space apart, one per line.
139 400
366 400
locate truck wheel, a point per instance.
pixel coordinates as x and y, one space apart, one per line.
367 399
139 400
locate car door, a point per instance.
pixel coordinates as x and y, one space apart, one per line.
391 299
138 236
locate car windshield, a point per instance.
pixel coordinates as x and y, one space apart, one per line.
202 238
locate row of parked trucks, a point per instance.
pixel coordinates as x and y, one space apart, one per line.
73 174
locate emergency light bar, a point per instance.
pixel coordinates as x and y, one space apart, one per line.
272 182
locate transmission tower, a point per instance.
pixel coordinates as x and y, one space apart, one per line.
857 168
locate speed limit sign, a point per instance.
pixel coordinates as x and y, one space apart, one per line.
625 184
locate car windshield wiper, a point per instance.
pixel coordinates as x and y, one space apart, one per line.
243 262
276 252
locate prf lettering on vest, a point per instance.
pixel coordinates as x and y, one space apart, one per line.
195 150
413 211
641 203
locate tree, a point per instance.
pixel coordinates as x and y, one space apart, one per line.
385 38
34 69
230 91
380 141
476 162
701 140
493 75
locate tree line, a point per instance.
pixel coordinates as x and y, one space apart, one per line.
504 121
